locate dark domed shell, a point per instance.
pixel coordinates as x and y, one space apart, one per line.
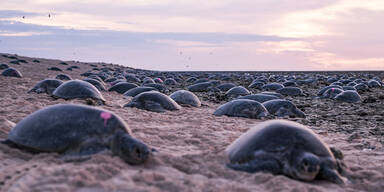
348 96
259 97
272 86
122 87
324 89
159 87
256 85
77 89
99 85
137 90
276 136
237 91
55 128
153 101
331 93
361 87
290 91
282 107
373 83
63 77
184 97
46 86
11 72
225 86
170 81
54 69
242 108
3 66
273 94
200 87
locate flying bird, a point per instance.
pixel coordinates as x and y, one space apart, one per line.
23 17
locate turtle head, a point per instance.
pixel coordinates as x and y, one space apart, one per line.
131 150
307 166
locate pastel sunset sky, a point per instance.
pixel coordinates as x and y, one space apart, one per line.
200 34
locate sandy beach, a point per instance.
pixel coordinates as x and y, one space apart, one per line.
190 142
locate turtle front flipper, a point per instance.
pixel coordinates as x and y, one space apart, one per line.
263 165
332 175
154 106
83 151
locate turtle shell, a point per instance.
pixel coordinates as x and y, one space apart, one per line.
242 108
46 86
11 72
137 90
276 136
348 96
122 87
57 127
186 97
153 101
77 89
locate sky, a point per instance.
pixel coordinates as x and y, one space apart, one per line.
203 35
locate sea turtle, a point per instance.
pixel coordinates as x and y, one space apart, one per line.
122 87
324 89
77 131
159 87
242 108
237 91
272 86
361 87
290 91
282 107
225 86
374 83
200 87
256 84
170 81
184 97
3 66
348 96
148 80
153 101
284 147
97 77
63 77
46 86
331 93
54 69
137 90
159 80
273 94
259 97
345 88
290 83
77 89
132 78
99 85
11 72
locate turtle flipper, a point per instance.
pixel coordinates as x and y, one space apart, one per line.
263 165
83 151
154 106
332 175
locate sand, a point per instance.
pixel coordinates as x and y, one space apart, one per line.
190 143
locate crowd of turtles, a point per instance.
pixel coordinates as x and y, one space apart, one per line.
276 146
